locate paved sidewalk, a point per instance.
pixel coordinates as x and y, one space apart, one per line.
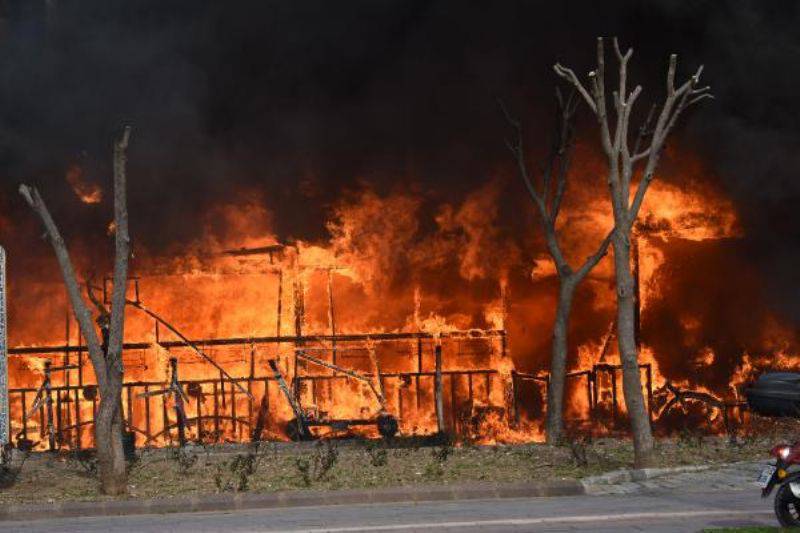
738 476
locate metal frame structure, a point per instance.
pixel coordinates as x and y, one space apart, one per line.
238 408
5 422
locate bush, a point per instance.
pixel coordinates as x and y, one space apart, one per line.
234 475
377 453
435 468
86 459
185 459
321 462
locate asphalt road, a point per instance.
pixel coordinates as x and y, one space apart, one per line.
665 511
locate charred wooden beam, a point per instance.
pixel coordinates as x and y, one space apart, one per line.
300 419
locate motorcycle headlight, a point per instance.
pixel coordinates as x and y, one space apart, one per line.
784 452
781 451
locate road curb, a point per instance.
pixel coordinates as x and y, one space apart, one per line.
626 475
242 501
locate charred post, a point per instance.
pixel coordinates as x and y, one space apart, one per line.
438 389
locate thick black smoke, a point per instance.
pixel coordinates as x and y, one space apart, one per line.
303 99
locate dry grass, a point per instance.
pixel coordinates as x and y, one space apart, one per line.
164 473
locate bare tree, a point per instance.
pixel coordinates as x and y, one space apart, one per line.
547 196
622 165
107 363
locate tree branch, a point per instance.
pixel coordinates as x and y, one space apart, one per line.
81 311
122 253
547 220
595 258
675 103
569 75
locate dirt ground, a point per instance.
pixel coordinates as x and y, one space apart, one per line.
163 473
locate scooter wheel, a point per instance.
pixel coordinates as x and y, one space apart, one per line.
787 506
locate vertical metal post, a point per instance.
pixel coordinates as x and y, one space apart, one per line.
129 398
51 434
165 419
613 373
400 400
66 347
419 371
179 408
80 358
437 388
233 411
454 405
147 414
280 304
514 389
263 413
78 432
649 370
222 389
4 405
68 421
299 317
24 417
503 316
250 384
198 404
252 360
331 316
59 425
216 413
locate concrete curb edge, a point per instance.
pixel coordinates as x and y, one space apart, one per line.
242 501
625 475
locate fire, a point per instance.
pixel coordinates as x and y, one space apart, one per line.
397 275
88 193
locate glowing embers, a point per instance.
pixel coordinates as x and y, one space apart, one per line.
87 192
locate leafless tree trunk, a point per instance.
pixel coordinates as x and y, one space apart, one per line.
107 365
547 196
622 165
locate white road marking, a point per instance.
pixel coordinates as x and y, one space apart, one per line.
534 521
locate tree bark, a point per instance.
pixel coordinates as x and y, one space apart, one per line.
628 353
107 363
110 425
554 425
547 199
621 169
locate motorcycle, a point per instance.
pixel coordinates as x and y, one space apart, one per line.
787 497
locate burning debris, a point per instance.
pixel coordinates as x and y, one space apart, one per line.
88 193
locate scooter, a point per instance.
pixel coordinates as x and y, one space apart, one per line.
787 498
